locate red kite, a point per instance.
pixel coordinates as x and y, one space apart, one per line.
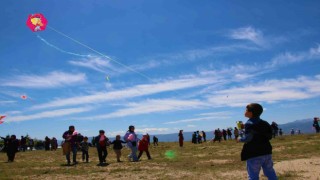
37 22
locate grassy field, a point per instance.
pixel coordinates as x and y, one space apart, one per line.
295 157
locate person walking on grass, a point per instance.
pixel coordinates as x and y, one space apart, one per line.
257 149
117 146
144 146
155 141
12 148
70 145
131 138
102 142
85 149
316 124
236 133
181 138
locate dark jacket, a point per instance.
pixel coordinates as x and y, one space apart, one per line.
258 133
117 144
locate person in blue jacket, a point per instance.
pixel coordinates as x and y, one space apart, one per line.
257 149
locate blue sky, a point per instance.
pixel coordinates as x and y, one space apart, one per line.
171 65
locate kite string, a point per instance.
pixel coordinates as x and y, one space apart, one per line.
61 50
127 67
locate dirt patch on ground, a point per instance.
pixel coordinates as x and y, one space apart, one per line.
301 168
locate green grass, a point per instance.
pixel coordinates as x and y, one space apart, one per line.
207 160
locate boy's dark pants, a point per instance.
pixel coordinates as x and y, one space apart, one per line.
141 152
102 153
85 155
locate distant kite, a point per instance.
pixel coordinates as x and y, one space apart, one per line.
2 117
37 22
107 78
24 97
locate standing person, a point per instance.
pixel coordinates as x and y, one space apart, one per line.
12 148
257 149
236 133
275 129
229 133
47 142
199 137
85 149
224 134
181 138
204 136
117 146
54 144
131 138
23 143
292 132
316 124
101 144
70 145
155 141
144 146
280 132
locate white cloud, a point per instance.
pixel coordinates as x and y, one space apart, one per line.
51 80
151 106
135 91
49 114
291 58
250 34
95 63
218 117
269 91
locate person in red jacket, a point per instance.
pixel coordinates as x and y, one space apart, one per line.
144 146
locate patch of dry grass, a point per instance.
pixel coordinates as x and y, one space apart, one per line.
295 157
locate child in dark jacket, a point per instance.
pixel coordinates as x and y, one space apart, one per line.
85 149
117 146
257 149
144 146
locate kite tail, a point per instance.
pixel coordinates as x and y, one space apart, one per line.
61 50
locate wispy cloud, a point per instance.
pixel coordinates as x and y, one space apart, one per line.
269 91
248 33
292 58
99 64
135 91
49 114
51 80
151 106
204 117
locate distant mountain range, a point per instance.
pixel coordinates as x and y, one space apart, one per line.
304 125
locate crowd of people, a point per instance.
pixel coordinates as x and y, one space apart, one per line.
255 134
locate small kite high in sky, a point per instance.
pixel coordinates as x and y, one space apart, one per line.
24 97
37 22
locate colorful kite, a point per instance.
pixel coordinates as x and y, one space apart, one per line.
37 22
2 117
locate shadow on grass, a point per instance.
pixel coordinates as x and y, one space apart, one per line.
103 164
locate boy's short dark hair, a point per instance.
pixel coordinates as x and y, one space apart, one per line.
256 109
101 131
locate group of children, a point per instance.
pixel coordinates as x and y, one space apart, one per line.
101 144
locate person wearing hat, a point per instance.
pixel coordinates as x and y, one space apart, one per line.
131 138
101 144
144 146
